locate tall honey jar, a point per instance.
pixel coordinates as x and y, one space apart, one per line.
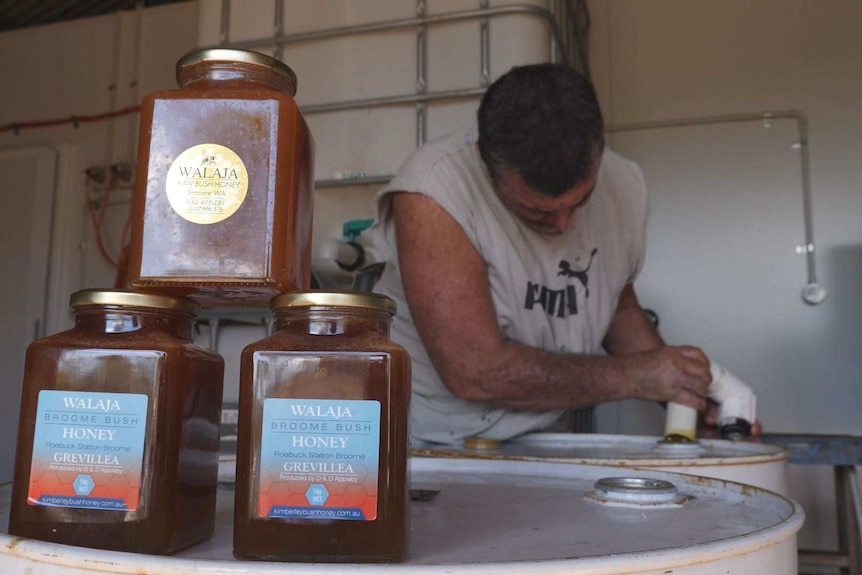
222 200
322 446
119 428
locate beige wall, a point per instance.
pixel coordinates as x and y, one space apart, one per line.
726 204
88 67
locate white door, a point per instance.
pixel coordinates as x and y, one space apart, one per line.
28 190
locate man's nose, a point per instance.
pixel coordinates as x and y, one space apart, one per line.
560 219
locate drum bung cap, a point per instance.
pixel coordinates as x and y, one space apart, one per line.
481 444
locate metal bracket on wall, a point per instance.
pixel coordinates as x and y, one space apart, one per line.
812 292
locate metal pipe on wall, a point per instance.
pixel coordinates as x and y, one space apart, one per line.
422 96
404 23
214 333
421 80
113 87
393 100
815 293
224 34
135 81
278 28
812 293
352 182
485 48
555 9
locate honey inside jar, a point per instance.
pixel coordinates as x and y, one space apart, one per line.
119 428
222 205
323 434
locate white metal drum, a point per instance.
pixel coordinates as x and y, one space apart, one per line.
484 517
757 464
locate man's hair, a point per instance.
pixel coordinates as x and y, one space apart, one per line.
543 121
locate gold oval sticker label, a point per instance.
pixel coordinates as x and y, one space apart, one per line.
207 183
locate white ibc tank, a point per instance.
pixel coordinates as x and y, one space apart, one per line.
746 462
485 516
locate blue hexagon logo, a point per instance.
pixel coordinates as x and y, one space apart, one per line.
83 484
316 494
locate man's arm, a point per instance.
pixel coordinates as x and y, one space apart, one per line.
445 281
631 330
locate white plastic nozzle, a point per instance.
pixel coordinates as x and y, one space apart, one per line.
681 422
735 399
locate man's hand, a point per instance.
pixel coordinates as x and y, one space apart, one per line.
678 374
654 370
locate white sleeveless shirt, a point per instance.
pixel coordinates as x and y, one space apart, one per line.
554 292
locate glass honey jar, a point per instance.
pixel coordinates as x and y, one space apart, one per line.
222 200
119 428
322 446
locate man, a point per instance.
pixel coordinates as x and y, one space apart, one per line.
511 253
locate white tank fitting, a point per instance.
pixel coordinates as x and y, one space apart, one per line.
736 409
338 260
329 264
736 401
681 423
347 255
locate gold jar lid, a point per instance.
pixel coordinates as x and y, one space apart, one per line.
481 444
318 298
236 55
121 297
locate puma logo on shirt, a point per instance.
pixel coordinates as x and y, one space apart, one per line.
562 302
580 275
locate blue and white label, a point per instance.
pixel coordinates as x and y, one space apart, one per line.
88 450
319 459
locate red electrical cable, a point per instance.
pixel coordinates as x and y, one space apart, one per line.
121 279
75 120
121 264
98 218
